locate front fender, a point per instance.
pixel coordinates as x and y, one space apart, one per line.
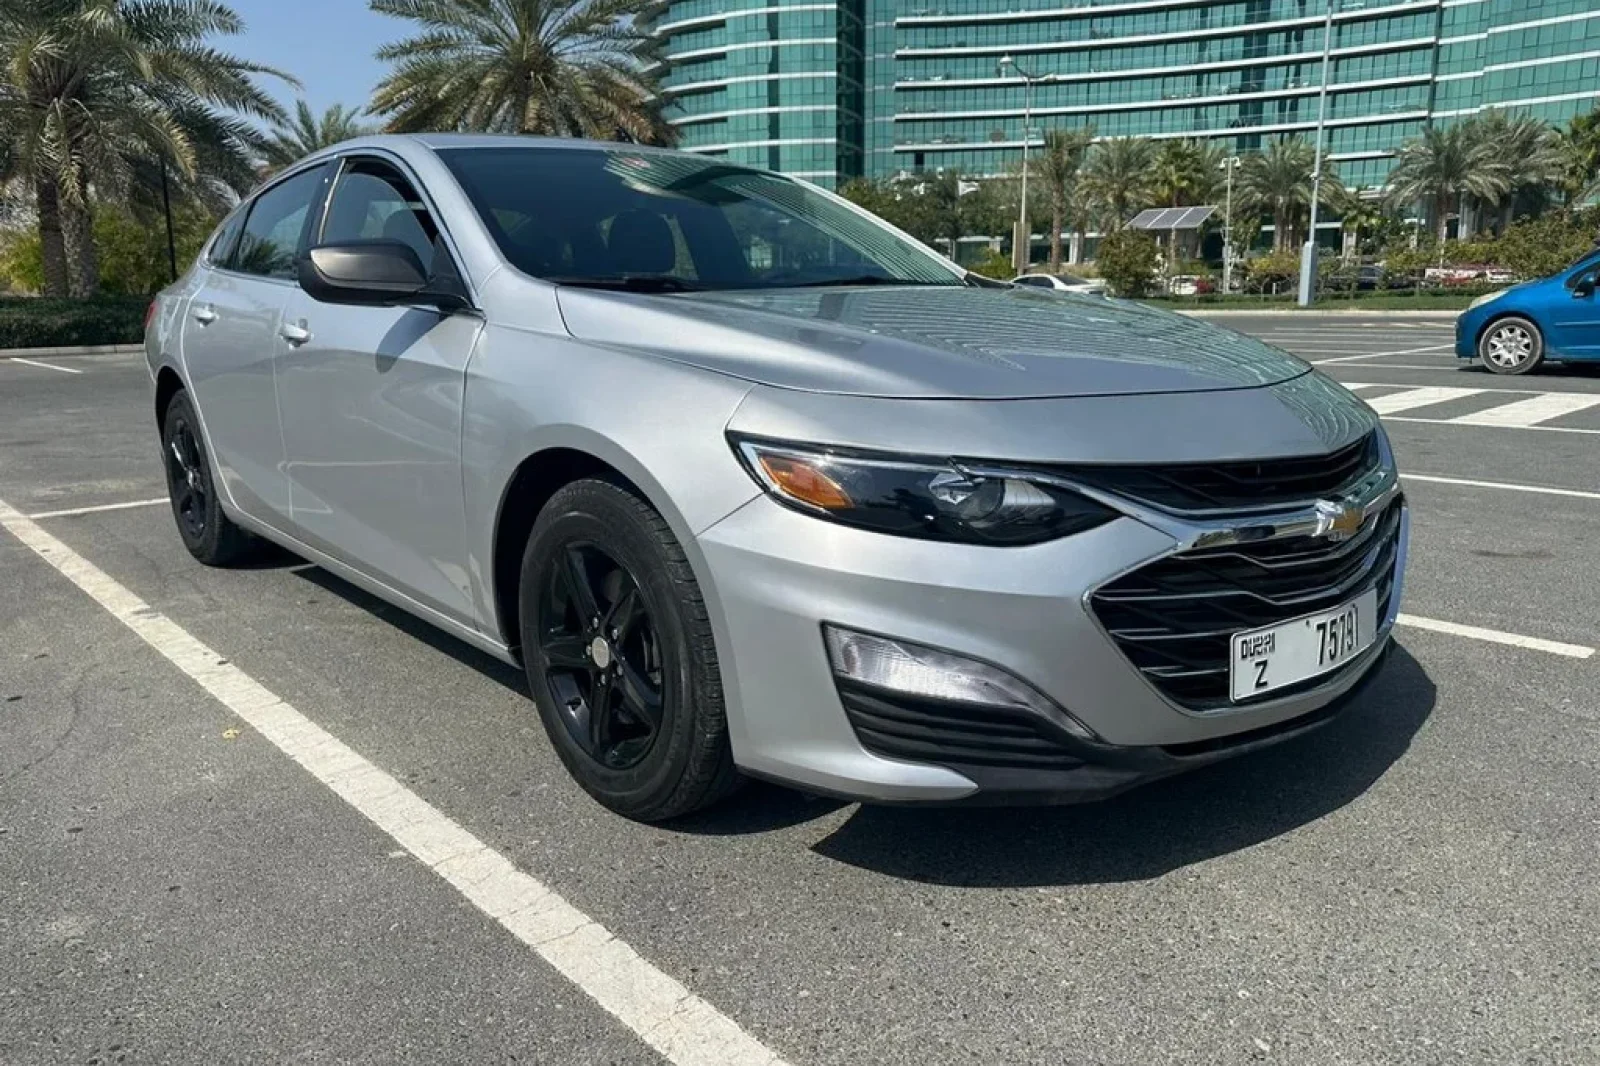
660 424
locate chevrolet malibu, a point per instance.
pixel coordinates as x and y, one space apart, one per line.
753 485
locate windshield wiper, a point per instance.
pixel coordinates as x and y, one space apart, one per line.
631 283
861 279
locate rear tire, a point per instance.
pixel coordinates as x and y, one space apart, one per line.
1511 345
620 655
206 531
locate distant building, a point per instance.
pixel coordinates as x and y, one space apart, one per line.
832 90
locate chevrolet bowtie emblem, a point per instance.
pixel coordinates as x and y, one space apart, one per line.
1338 519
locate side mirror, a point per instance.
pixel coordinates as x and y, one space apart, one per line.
375 273
1584 288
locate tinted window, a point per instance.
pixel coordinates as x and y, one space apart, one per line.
374 201
272 232
222 245
604 217
1038 283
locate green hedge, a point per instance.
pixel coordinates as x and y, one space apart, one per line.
41 323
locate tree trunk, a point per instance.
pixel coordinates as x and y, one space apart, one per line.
1056 223
1075 249
1442 207
77 232
51 245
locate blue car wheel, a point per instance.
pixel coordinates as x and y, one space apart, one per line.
1511 345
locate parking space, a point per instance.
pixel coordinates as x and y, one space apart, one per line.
1418 883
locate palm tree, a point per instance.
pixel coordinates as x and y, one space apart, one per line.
1358 215
1188 172
307 133
112 94
1057 165
1276 183
561 67
1117 178
1582 140
1442 167
1529 153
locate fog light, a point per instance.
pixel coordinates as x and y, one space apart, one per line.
915 670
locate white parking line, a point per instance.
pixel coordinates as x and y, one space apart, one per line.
1495 636
42 366
1381 355
1440 368
1395 402
69 512
1470 483
682 1027
1532 411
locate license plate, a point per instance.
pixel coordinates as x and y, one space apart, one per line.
1290 652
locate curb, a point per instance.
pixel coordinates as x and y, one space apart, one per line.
70 350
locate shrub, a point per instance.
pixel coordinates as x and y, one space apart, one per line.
1277 272
993 264
37 323
1128 260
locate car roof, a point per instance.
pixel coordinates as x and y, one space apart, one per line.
445 141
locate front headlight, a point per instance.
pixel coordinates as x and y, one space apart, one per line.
928 499
1486 298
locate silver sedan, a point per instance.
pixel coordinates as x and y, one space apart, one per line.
754 485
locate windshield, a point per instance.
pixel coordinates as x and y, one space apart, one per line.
672 223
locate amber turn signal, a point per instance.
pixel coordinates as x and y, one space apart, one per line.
802 481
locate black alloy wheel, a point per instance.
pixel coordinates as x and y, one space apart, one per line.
206 530
621 660
186 475
602 656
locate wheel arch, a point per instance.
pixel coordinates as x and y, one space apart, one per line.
168 385
531 484
1500 316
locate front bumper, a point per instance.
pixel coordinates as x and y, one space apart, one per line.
776 577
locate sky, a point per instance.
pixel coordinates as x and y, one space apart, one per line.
326 44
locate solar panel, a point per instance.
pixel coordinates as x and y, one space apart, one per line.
1171 218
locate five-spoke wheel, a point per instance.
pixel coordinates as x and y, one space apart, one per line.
620 654
602 656
209 534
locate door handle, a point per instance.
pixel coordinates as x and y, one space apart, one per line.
296 335
205 315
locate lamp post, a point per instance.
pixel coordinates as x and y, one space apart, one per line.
1021 244
1308 254
1227 228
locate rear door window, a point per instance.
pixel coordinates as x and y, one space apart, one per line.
277 220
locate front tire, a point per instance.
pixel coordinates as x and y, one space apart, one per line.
1511 345
620 655
206 531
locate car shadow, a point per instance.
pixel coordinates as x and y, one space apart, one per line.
1153 830
1141 834
509 676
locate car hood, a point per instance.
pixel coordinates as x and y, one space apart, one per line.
930 342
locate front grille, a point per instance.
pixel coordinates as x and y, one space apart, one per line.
939 731
1174 618
1251 485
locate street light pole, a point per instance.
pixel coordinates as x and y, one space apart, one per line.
1308 254
1227 229
1021 251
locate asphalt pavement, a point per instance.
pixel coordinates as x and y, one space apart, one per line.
1417 883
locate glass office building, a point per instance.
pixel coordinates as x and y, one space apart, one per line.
878 87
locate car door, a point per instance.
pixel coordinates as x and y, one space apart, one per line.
1573 314
230 339
371 406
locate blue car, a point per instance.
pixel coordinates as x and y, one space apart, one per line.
1515 330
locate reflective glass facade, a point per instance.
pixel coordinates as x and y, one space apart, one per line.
831 90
